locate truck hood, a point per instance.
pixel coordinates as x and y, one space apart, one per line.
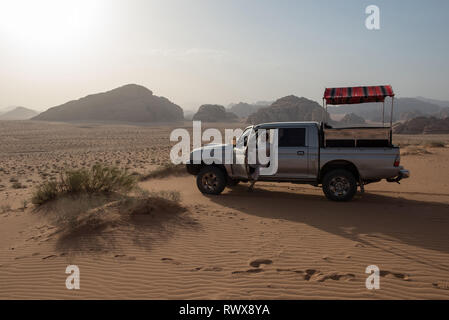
215 146
212 151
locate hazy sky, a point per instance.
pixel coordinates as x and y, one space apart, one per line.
216 51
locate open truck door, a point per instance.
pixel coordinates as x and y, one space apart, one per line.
240 167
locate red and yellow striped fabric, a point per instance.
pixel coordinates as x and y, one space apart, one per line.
352 95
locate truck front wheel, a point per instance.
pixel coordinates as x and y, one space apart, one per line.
211 180
339 185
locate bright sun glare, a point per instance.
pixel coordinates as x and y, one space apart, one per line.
49 24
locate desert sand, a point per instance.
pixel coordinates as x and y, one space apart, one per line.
283 241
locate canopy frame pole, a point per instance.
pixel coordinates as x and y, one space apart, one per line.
325 110
391 118
383 113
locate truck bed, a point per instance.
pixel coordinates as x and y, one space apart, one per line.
357 137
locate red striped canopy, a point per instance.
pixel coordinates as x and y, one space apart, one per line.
351 95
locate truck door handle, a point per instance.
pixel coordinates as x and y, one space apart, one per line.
300 153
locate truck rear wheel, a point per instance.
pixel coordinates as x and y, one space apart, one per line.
211 180
339 185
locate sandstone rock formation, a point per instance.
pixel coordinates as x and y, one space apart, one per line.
243 110
130 103
19 113
423 125
352 119
214 113
290 108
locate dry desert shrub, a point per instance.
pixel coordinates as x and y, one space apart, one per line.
98 179
140 218
94 215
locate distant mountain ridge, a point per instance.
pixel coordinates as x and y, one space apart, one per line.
289 108
423 125
19 113
7 109
243 109
441 103
214 113
351 119
129 103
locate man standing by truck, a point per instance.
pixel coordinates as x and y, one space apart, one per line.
255 168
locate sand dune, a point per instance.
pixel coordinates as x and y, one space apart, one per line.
282 241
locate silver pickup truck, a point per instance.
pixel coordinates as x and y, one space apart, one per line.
337 159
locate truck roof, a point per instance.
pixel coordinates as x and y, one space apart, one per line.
285 124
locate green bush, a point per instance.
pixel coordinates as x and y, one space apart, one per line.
98 179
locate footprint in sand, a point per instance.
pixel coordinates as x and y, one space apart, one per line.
170 260
49 257
402 276
256 263
255 270
214 269
336 276
208 269
256 266
309 273
124 257
197 269
316 275
443 285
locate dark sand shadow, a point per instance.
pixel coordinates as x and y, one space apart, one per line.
110 225
412 222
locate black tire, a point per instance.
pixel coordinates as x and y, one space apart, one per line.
232 182
339 185
211 180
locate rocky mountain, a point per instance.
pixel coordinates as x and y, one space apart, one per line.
352 119
409 115
423 125
7 109
214 113
129 103
243 110
263 103
19 113
441 103
290 108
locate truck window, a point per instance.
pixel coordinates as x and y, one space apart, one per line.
292 137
